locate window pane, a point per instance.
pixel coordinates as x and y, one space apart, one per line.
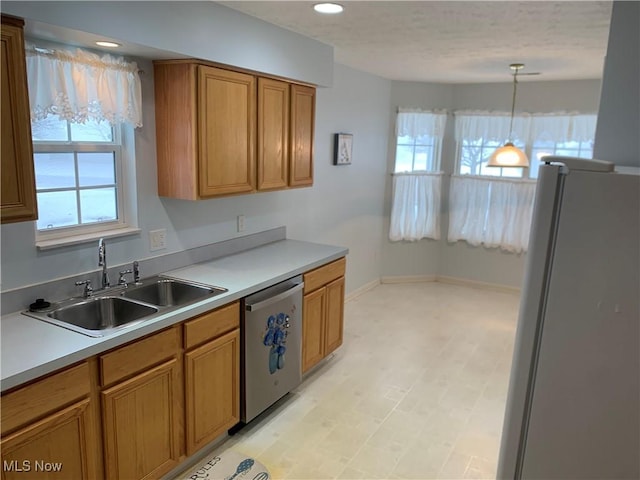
91 131
49 129
57 209
96 169
404 158
512 172
54 170
405 140
425 140
98 205
423 159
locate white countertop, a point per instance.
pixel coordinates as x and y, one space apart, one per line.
31 348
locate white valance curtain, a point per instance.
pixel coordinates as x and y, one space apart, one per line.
416 123
415 211
493 212
527 127
78 86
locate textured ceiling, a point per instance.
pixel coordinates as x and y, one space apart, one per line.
452 41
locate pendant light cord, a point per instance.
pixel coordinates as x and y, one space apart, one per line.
513 105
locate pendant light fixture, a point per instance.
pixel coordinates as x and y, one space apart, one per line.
509 155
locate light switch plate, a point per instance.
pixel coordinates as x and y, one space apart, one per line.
158 239
241 223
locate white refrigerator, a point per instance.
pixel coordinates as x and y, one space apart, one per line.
573 407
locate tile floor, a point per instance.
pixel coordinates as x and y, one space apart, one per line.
417 391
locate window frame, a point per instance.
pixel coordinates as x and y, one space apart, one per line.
529 149
125 222
436 152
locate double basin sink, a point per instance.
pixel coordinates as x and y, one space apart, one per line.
120 307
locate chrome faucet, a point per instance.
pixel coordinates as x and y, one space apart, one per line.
102 262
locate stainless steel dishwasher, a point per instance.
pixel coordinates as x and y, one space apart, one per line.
271 336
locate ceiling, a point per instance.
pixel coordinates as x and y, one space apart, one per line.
453 41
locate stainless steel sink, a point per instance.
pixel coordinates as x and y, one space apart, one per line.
168 292
115 308
101 315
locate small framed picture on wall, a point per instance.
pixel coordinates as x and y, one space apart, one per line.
343 147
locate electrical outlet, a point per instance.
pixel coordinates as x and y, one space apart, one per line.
158 239
241 223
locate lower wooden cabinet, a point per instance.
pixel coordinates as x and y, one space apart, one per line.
212 389
54 447
323 312
141 423
49 428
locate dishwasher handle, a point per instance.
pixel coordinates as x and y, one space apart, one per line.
252 307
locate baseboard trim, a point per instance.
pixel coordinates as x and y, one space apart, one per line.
496 287
408 279
363 289
463 282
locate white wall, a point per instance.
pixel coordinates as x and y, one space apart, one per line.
422 258
344 206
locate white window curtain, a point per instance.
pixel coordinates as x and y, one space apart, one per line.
490 126
415 208
416 123
491 212
415 211
563 127
81 85
527 127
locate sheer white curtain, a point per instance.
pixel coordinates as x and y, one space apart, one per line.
415 211
493 212
414 122
558 127
563 127
490 126
78 86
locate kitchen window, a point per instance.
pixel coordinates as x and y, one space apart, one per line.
415 211
78 174
83 107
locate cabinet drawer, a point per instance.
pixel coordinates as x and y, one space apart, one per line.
42 397
323 275
139 355
211 324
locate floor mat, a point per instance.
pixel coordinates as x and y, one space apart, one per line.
228 465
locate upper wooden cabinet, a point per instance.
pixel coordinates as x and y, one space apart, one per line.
18 197
303 107
273 134
205 130
223 132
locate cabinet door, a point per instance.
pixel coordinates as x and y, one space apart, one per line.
273 134
141 419
313 313
57 446
18 197
303 104
212 385
334 315
226 133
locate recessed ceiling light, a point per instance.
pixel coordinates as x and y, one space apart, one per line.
103 43
328 8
